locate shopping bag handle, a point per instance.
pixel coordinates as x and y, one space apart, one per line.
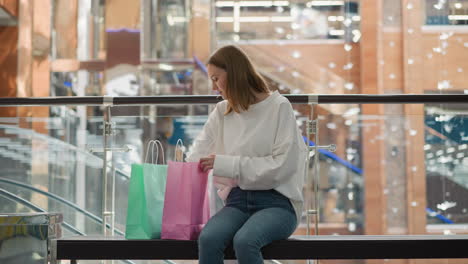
151 144
179 146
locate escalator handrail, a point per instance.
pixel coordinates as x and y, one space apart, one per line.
200 65
57 198
17 199
335 157
439 216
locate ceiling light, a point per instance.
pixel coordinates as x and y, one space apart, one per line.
337 32
458 17
324 3
252 3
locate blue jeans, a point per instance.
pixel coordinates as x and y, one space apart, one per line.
250 220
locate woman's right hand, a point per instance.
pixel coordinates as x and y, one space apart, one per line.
207 163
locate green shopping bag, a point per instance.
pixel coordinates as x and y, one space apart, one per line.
146 198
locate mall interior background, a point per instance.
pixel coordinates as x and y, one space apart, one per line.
398 169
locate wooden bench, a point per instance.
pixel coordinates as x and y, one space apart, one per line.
295 248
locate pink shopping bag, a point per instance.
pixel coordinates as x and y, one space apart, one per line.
186 204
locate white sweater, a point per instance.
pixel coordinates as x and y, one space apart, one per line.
260 149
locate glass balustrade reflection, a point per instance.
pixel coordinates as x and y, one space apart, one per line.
62 154
433 145
51 153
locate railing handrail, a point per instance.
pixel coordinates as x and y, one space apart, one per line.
213 99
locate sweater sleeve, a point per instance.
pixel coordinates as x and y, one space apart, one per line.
268 172
204 143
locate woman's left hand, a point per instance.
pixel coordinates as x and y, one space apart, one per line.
207 163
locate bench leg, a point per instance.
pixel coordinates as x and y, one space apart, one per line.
53 251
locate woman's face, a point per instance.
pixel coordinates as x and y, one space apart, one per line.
219 78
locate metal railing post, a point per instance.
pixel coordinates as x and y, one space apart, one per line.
106 133
312 129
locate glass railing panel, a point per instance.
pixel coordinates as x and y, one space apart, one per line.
135 126
393 146
62 154
341 179
50 149
446 158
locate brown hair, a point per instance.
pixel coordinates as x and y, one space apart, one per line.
243 81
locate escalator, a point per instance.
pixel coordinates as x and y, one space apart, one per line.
11 192
22 163
446 151
454 207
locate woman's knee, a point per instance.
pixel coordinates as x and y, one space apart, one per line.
205 237
209 239
243 242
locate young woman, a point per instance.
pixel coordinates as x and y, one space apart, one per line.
251 140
